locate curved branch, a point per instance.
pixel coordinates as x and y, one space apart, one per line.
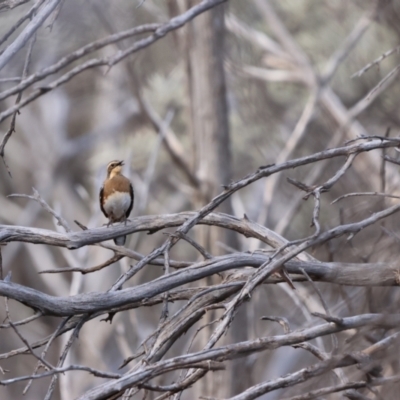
340 273
75 240
241 349
159 33
150 223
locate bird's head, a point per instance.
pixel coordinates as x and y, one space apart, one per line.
114 168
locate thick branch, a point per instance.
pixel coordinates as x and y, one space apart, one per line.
340 273
232 351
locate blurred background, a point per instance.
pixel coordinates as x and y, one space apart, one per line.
246 84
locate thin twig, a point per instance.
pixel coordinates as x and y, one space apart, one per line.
36 197
281 321
23 321
11 129
365 194
348 44
197 246
165 312
382 172
159 33
375 62
335 342
66 349
45 350
26 343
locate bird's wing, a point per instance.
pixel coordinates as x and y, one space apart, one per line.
128 211
101 198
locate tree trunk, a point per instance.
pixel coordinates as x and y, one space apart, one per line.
212 162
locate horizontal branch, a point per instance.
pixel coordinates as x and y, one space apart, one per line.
98 301
75 240
336 361
340 273
349 385
241 349
150 223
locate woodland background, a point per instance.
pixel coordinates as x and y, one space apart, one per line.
243 85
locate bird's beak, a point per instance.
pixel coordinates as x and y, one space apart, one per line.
121 163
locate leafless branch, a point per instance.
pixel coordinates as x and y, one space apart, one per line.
239 350
36 197
182 312
345 196
27 16
375 62
11 130
159 33
36 22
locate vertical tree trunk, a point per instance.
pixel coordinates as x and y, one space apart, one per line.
212 160
208 105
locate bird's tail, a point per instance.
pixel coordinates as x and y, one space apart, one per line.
120 240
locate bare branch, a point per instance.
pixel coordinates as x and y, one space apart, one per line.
243 348
159 33
17 100
345 196
36 197
305 374
375 62
27 32
27 16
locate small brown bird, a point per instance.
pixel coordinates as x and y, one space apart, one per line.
116 197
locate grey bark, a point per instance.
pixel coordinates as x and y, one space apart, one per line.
212 149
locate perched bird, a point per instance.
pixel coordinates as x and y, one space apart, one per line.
116 197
